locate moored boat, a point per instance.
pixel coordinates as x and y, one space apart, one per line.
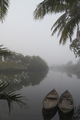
66 102
51 100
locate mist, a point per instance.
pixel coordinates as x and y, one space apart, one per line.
21 33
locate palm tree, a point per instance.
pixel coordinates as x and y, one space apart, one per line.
52 6
12 96
67 22
75 45
4 5
4 51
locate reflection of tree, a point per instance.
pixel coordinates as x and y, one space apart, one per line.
76 115
23 79
11 96
67 22
68 68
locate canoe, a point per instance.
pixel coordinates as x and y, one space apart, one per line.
51 100
66 102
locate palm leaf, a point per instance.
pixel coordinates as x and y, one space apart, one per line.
12 97
52 6
4 51
66 23
4 5
70 27
59 23
3 85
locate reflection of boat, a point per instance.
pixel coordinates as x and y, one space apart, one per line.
51 100
66 103
63 116
49 114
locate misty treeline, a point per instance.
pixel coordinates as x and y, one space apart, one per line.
18 61
68 68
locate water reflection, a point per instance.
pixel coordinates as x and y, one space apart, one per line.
76 115
21 79
73 115
65 116
70 69
49 114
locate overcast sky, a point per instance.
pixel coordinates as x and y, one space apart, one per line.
22 34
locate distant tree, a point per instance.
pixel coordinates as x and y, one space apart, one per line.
31 63
37 64
69 63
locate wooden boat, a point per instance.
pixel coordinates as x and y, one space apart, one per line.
66 102
51 100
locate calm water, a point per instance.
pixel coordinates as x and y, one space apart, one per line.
35 87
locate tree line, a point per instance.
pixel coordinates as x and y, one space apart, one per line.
69 68
18 61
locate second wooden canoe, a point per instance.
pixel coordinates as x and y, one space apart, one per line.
51 100
66 102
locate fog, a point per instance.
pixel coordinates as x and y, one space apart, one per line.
21 33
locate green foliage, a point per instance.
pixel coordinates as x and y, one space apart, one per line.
4 5
11 96
4 52
37 64
18 61
75 47
67 22
52 6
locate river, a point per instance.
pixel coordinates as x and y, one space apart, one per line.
34 88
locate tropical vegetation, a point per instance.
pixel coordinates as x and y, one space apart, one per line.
11 96
67 22
20 62
4 5
75 46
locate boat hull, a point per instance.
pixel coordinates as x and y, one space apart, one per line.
66 102
51 100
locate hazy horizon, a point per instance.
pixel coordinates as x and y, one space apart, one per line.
21 33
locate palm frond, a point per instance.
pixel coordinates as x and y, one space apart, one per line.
3 85
4 5
69 28
60 22
52 6
67 22
12 97
4 51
